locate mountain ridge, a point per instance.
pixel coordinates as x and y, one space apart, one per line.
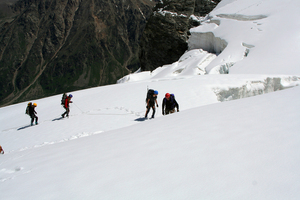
52 47
56 46
166 33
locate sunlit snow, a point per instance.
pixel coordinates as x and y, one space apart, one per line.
221 145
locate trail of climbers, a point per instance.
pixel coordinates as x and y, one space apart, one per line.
91 112
119 112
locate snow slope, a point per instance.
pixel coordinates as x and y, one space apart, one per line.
246 148
242 149
262 36
240 37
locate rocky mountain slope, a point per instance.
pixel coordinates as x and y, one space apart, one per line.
6 11
53 46
49 47
165 37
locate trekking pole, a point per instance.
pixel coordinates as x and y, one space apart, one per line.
78 107
147 92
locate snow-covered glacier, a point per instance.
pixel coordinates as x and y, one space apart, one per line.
240 39
251 39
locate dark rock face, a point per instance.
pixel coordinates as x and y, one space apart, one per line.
54 46
5 9
165 37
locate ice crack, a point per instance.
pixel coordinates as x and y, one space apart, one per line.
240 17
252 88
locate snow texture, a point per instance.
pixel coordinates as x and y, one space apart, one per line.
220 145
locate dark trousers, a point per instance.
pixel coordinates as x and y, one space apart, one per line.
148 110
66 113
167 111
33 116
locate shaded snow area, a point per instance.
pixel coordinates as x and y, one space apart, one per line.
220 145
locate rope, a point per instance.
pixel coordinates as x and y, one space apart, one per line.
78 107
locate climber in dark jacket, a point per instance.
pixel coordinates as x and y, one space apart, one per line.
151 101
32 113
169 104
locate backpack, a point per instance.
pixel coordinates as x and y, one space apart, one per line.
1 150
63 98
150 93
172 97
27 109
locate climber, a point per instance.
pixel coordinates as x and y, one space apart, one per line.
169 104
67 106
151 100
